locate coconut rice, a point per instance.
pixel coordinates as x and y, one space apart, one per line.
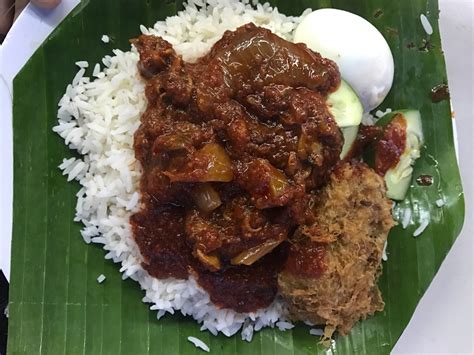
98 116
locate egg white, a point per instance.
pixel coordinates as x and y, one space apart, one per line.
359 49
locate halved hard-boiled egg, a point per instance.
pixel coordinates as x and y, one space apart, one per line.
359 49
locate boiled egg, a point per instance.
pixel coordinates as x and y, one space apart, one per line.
359 49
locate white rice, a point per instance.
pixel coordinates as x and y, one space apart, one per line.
82 64
406 218
198 343
316 331
247 332
98 116
380 114
193 31
96 70
368 119
384 252
426 24
284 325
423 224
101 278
105 39
440 202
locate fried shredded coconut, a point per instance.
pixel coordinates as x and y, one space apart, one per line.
353 221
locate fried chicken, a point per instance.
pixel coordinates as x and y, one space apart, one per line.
331 274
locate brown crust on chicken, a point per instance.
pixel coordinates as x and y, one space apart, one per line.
353 219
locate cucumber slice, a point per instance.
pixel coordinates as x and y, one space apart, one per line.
350 135
398 178
345 106
413 119
397 187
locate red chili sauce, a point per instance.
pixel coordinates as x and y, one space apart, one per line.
391 146
308 260
366 136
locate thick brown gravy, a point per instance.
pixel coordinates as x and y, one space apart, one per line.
233 148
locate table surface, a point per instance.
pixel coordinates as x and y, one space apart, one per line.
443 321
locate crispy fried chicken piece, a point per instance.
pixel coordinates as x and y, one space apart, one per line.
331 273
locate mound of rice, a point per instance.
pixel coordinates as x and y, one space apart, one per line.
98 116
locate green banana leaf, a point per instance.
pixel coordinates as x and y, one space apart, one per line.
56 304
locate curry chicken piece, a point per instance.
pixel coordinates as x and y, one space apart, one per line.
238 232
330 276
237 142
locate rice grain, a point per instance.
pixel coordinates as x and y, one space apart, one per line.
426 24
423 224
198 343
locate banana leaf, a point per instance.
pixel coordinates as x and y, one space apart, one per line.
57 306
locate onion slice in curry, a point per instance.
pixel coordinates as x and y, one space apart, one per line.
249 256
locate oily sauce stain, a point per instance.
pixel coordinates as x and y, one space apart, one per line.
378 13
439 93
424 180
426 46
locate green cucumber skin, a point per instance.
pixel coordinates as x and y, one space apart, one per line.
345 106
